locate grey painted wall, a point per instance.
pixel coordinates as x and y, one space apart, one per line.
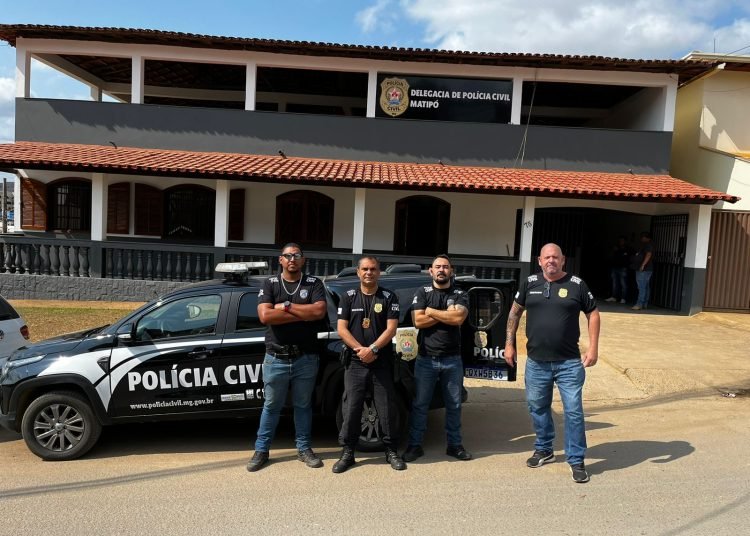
693 291
354 138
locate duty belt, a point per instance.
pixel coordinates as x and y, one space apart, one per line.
288 351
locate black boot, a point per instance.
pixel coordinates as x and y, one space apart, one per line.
392 457
346 460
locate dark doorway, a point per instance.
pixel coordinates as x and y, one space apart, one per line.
305 217
422 226
189 213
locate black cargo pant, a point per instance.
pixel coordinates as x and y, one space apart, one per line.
357 378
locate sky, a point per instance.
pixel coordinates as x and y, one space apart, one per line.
649 29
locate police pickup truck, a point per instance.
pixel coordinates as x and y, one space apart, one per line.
197 352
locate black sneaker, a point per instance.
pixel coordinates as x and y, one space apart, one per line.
412 452
459 452
580 476
392 457
540 457
309 458
258 460
345 462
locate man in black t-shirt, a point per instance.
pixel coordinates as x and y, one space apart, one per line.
367 321
554 300
292 305
438 311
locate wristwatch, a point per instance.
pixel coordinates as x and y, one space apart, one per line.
374 349
287 306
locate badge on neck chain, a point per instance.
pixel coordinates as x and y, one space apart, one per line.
366 323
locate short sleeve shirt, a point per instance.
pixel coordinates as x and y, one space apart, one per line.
355 307
303 333
552 327
440 339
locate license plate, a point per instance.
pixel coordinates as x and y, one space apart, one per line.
486 373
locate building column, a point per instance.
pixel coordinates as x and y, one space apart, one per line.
527 228
372 92
221 225
670 104
358 240
96 93
23 72
696 259
99 203
516 101
251 77
17 201
137 77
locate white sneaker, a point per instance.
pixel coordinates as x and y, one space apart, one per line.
623 301
611 299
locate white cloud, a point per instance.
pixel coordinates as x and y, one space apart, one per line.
380 15
638 29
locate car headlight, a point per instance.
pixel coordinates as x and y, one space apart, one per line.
13 363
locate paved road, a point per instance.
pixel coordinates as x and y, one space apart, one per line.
669 464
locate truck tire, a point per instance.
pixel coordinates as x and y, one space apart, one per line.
370 436
60 426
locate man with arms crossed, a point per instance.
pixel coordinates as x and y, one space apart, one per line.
292 305
368 319
554 300
438 312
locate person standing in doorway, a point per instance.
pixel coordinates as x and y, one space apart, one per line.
619 271
643 264
438 311
292 305
367 322
554 300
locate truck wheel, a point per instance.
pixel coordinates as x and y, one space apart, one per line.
60 426
370 435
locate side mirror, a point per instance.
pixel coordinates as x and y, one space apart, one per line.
193 311
125 333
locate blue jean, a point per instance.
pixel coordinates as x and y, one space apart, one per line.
569 375
427 372
278 375
620 283
643 280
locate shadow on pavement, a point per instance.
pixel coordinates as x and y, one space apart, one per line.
624 454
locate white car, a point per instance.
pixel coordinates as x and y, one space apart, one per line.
14 333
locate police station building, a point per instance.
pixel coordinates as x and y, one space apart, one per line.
196 149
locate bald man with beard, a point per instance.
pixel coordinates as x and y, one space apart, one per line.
553 301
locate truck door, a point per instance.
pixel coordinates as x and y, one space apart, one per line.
483 332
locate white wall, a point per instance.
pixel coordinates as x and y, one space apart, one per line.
726 112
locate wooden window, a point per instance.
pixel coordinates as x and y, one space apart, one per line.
236 229
33 205
189 213
118 208
148 210
305 217
69 203
422 226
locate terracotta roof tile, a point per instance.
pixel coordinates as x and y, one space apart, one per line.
173 163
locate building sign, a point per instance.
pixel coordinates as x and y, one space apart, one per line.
444 99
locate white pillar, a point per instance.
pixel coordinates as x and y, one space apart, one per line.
372 92
516 101
527 228
221 225
23 72
251 77
358 240
99 203
17 204
96 93
698 231
670 103
137 77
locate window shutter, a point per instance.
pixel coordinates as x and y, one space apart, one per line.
149 210
118 208
236 229
33 205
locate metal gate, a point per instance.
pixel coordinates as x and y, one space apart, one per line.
669 239
727 280
565 228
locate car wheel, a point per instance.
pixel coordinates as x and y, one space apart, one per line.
371 432
60 426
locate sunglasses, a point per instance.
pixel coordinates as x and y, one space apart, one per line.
290 256
546 289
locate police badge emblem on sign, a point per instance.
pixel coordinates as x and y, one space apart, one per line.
480 339
406 343
394 96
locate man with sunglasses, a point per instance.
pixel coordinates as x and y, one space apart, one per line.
553 301
292 305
